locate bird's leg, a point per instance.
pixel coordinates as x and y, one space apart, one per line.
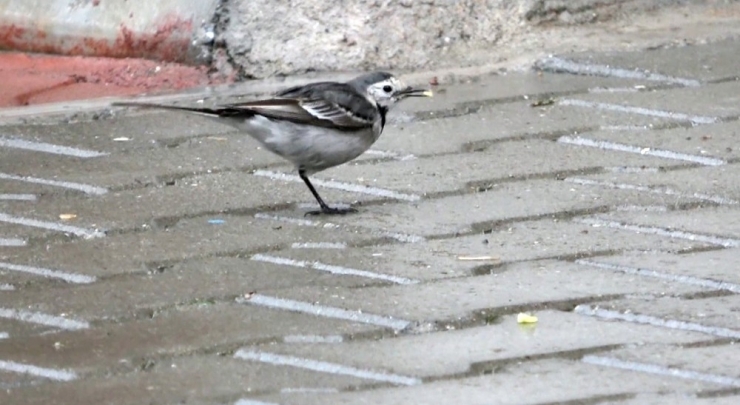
325 208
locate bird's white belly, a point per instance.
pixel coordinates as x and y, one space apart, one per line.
308 147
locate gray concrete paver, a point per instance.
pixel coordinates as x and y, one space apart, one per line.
723 222
497 122
123 347
11 329
149 166
463 256
719 360
212 279
719 265
715 141
526 85
711 100
175 381
453 352
499 162
712 312
678 399
146 130
188 239
521 284
705 63
504 201
536 382
713 182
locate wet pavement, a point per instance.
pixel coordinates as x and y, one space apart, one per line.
152 257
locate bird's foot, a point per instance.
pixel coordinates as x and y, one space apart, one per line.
331 211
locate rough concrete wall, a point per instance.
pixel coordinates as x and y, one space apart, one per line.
269 37
170 30
263 38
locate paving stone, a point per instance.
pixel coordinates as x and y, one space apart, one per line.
176 381
13 380
534 382
504 201
497 122
146 130
712 100
520 284
525 85
463 256
453 352
23 232
10 329
704 62
188 239
122 170
189 197
227 191
718 360
718 265
124 347
714 141
16 187
723 222
678 399
716 184
499 162
712 312
191 281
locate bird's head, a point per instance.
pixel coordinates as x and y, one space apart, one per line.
386 89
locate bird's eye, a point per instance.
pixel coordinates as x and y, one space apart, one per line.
387 88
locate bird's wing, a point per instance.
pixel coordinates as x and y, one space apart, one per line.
335 105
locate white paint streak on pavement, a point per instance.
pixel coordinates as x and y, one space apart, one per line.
324 311
289 220
689 280
655 321
319 245
345 271
17 197
85 188
246 401
52 226
49 148
651 230
50 373
49 273
324 367
661 370
652 190
43 319
696 119
561 65
12 242
313 339
666 154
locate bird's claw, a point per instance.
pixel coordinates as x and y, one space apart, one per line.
331 211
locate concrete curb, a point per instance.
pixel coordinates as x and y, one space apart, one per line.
166 30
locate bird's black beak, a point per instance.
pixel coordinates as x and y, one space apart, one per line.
415 92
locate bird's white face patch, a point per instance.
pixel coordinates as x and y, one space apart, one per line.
385 93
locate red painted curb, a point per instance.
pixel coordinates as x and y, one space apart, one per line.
33 79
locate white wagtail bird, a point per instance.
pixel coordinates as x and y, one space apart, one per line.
316 126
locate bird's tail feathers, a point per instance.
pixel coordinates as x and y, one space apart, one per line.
205 111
